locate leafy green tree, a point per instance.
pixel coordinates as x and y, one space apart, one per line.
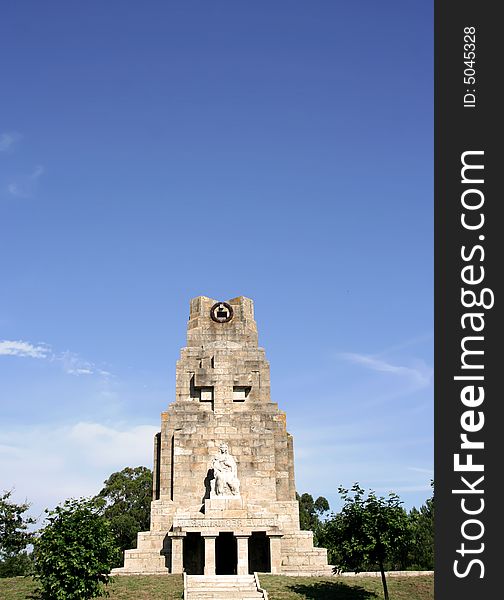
126 498
421 554
74 552
311 513
16 565
367 531
14 537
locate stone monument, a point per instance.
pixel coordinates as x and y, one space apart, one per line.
224 497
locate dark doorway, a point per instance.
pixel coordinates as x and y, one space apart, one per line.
194 554
226 554
259 552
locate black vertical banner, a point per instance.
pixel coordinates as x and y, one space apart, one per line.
469 255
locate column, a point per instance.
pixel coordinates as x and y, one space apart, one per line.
209 554
243 560
177 561
275 553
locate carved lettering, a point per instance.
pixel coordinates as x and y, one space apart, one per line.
216 523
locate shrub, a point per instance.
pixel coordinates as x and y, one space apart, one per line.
74 552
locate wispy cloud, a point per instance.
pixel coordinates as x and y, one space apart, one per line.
8 140
428 336
71 363
24 349
74 365
421 374
15 190
421 470
37 172
25 187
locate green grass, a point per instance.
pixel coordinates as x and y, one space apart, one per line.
135 587
281 587
16 588
147 587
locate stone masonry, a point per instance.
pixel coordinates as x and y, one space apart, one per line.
224 497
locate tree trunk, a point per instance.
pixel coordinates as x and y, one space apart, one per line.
384 581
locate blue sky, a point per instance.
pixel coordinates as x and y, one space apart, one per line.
153 152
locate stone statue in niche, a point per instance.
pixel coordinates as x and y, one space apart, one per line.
225 481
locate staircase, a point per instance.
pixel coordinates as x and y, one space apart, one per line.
222 587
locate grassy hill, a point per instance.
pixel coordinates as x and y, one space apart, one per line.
280 587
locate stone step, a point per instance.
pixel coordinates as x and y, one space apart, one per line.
221 584
227 581
222 587
220 577
236 591
223 581
210 588
223 596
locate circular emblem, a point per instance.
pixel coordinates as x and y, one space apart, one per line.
221 312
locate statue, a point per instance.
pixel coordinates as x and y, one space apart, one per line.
225 480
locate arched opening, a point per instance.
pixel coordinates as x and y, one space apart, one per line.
226 554
194 554
259 552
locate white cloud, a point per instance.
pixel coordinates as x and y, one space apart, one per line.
419 339
24 349
37 172
15 190
421 470
8 139
47 464
421 374
72 363
26 186
102 444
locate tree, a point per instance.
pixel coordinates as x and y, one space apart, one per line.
126 498
311 512
421 555
74 552
14 537
16 565
368 530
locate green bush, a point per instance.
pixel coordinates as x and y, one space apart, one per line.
74 552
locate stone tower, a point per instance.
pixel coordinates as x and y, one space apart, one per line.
224 497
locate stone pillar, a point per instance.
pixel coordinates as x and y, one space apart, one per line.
275 553
177 554
209 554
243 561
